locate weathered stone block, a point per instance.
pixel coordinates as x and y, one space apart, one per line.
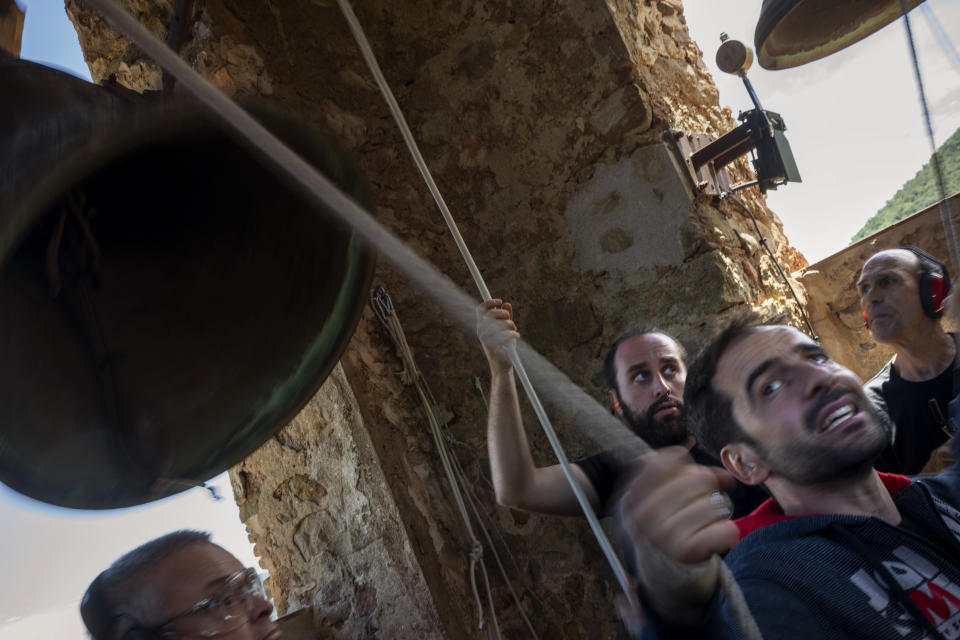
630 214
543 129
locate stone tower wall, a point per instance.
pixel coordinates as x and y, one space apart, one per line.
544 126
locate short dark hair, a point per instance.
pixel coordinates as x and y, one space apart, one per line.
710 412
609 361
116 593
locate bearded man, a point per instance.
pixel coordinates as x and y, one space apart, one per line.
839 552
645 374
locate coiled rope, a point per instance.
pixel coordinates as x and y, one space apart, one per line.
455 302
481 285
386 312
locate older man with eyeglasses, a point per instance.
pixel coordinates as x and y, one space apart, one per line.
181 586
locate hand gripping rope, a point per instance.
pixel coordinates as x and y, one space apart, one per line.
383 308
446 294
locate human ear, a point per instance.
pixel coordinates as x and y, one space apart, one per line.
744 464
615 402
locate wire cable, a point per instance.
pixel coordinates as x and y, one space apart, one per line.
458 305
945 217
485 294
941 35
776 263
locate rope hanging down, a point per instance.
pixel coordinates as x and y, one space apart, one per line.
953 247
783 276
385 311
475 500
727 581
604 428
478 280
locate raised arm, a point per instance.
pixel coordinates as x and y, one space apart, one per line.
517 481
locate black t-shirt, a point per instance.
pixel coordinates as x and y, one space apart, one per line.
604 472
919 411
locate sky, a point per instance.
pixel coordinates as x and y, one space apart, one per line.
853 119
50 553
855 126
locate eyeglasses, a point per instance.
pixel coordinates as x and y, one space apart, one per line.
225 611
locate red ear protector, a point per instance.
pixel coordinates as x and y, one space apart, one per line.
937 291
933 282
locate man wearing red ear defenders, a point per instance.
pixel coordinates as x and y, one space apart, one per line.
902 292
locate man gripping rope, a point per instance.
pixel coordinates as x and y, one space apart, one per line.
839 552
645 373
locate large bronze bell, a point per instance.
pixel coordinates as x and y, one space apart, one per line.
167 301
794 32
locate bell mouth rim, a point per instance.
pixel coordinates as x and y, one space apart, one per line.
773 18
146 124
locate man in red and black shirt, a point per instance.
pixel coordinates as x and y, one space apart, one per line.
839 551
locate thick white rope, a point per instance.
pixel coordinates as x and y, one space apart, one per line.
605 429
478 280
738 604
401 121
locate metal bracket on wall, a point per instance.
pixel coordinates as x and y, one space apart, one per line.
760 135
707 178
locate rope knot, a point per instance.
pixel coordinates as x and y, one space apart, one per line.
476 552
381 301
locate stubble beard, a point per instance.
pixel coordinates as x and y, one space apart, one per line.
809 463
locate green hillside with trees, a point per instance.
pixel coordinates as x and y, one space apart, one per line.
920 191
